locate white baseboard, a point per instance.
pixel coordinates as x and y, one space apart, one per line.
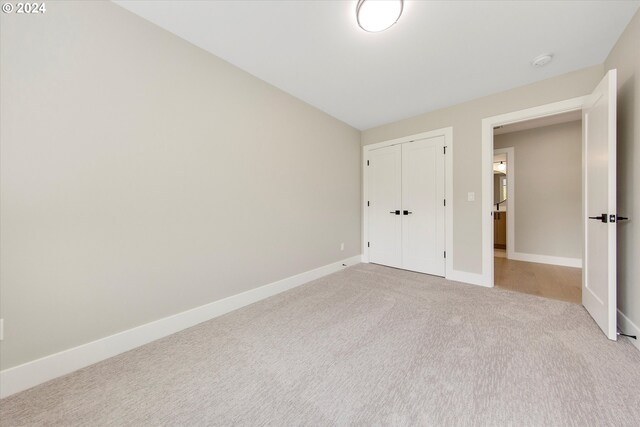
471 278
546 259
36 372
628 327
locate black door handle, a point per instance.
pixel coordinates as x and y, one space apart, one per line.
395 212
406 213
602 217
622 218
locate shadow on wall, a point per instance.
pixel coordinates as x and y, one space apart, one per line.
625 191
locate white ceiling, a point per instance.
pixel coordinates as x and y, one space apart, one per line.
438 54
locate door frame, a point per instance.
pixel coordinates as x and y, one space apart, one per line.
447 133
511 197
488 124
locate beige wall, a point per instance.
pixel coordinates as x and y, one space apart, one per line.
625 57
548 189
142 176
466 120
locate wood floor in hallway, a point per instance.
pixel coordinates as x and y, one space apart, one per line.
545 280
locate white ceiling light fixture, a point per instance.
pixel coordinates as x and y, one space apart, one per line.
378 15
500 167
541 60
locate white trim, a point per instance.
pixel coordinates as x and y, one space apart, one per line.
547 259
466 277
487 168
447 133
510 204
583 147
612 137
409 138
448 191
365 211
628 327
32 373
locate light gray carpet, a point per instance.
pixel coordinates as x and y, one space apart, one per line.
368 346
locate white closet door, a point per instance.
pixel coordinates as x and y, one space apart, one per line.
385 219
423 191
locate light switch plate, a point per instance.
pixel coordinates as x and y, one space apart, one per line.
471 196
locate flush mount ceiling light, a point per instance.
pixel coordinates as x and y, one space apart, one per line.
500 167
541 60
378 15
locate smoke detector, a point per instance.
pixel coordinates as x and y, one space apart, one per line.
541 60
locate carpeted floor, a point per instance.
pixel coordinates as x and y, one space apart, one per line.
369 345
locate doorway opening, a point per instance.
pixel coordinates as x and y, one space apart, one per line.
537 203
599 210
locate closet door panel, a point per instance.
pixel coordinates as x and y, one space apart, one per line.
385 232
423 219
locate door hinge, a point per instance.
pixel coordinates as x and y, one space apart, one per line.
445 254
445 149
445 202
368 244
368 203
367 162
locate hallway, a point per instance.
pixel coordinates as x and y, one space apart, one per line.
545 280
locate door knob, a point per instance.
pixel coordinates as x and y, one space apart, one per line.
406 213
601 217
617 218
395 212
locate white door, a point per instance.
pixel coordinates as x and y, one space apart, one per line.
599 147
423 209
385 219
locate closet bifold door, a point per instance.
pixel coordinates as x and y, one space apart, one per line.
385 215
423 208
